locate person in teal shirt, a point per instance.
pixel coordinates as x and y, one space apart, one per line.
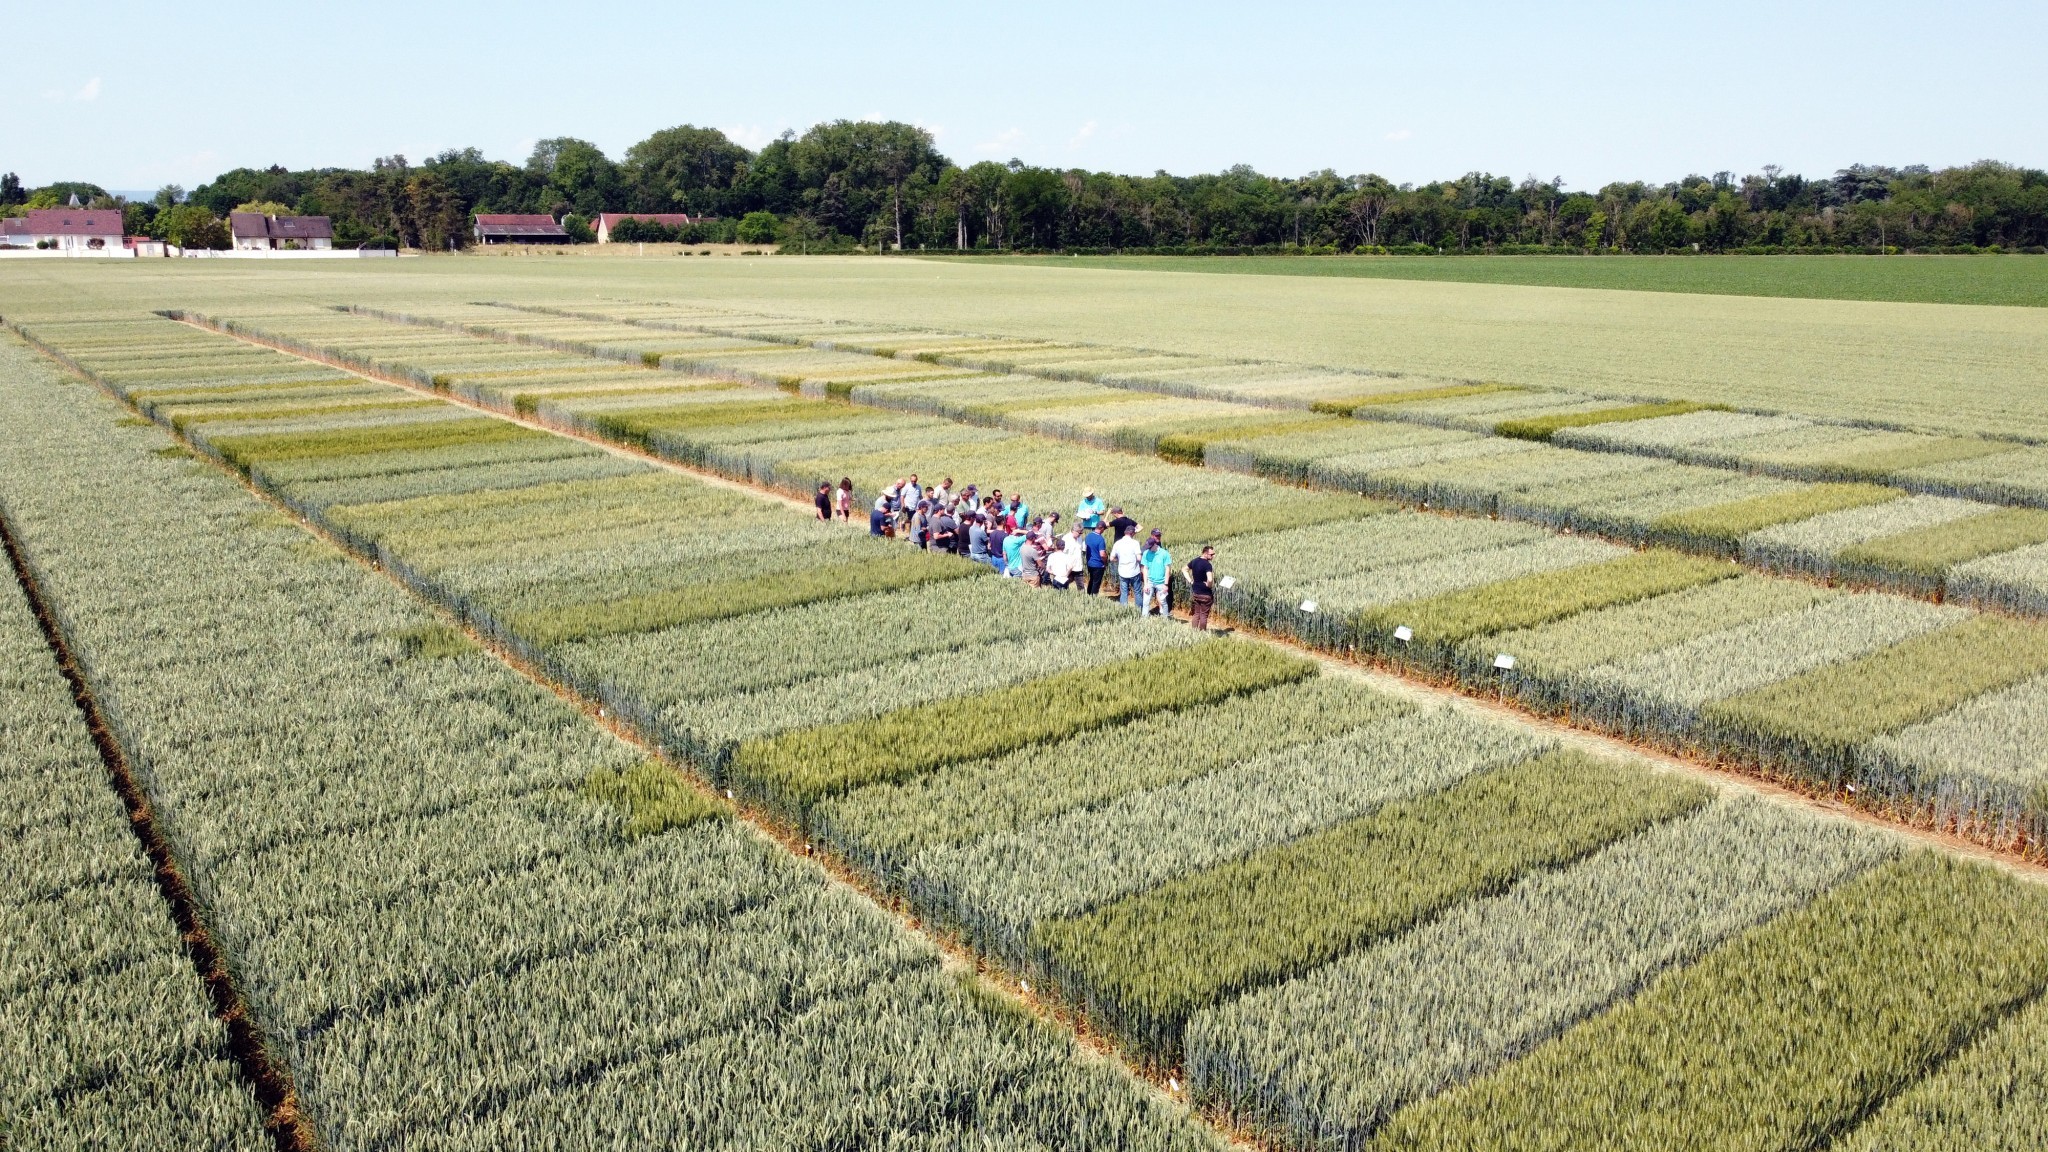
1158 565
1013 551
1090 512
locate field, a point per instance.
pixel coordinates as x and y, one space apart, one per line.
1589 766
2011 281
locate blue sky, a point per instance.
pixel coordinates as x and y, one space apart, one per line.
1589 91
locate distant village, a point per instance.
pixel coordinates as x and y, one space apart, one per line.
88 232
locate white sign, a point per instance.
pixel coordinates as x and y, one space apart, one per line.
1228 582
1308 606
1504 662
1404 633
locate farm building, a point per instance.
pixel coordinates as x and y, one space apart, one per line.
519 229
68 229
606 221
255 231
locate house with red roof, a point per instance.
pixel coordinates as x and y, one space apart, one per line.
513 228
82 231
606 221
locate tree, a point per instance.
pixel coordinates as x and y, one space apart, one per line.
866 166
759 228
11 191
577 175
439 219
265 207
192 226
685 167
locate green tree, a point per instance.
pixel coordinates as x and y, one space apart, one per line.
759 228
192 226
855 172
577 175
11 191
685 168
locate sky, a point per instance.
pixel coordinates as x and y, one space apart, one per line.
1591 92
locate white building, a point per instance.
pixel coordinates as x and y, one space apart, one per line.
79 231
253 231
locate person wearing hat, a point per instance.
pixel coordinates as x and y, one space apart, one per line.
1157 563
1089 514
1201 593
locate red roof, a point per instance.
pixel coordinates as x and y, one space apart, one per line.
665 219
13 226
73 222
511 226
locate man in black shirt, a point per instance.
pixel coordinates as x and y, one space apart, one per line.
1120 525
824 501
1200 593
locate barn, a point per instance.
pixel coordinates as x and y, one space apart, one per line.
512 228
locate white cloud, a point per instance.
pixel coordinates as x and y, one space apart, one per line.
1002 141
91 91
1400 134
750 135
1082 134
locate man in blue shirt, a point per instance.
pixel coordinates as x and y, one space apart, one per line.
1095 551
1089 514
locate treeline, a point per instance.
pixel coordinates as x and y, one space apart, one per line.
878 185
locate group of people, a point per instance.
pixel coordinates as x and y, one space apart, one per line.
1002 532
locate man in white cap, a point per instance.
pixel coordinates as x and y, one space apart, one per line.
1089 514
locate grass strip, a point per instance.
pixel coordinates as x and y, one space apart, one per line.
1891 461
1992 1098
1544 427
1779 1040
183 417
1933 550
1721 526
1541 597
700 602
640 426
1188 445
1349 406
800 768
1144 964
651 797
1829 711
246 452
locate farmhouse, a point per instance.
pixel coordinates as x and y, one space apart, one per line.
606 221
518 229
68 229
255 231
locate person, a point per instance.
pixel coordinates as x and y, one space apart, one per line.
1157 563
1031 561
1077 556
843 502
1095 555
878 516
1201 594
1089 514
1013 549
945 490
1019 509
824 500
1058 567
1120 524
977 538
943 529
998 539
1130 571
